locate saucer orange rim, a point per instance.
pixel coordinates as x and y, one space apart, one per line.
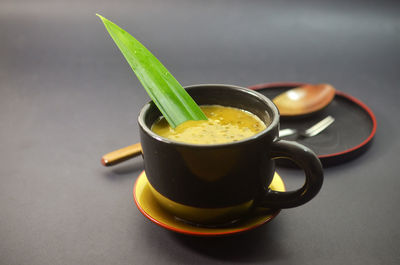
211 231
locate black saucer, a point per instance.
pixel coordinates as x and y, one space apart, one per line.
348 137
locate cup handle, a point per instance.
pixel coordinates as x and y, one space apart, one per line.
309 162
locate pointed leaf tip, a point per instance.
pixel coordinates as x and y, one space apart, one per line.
169 96
100 16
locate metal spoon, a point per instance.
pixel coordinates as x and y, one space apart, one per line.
310 132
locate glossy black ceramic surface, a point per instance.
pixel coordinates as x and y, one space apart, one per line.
212 176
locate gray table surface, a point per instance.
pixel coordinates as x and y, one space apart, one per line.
67 96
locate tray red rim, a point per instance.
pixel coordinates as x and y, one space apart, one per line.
338 93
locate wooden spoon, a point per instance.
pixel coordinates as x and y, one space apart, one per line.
120 155
294 102
304 100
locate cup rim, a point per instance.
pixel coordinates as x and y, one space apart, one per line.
273 124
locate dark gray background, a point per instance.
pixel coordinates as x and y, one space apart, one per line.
67 96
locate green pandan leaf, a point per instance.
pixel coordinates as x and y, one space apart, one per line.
170 97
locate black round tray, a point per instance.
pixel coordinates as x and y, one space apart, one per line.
348 137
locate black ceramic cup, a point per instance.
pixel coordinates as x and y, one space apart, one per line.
219 183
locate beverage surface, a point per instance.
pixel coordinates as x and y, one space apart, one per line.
224 124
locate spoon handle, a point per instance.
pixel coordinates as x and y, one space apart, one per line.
120 155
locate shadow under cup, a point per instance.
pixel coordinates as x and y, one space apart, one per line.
216 184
